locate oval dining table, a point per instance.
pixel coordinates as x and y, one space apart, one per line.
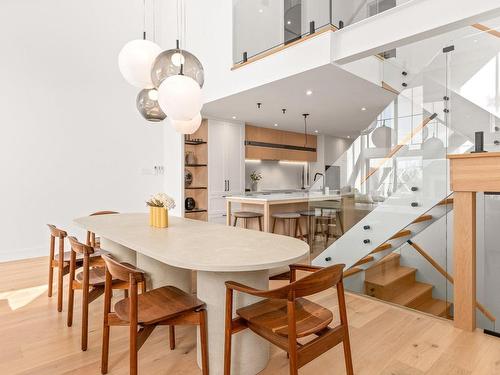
218 253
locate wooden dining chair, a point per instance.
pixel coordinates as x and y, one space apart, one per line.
90 280
59 261
91 238
167 305
285 316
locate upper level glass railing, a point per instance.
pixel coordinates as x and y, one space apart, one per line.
261 26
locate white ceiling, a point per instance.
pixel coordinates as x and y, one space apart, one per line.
334 106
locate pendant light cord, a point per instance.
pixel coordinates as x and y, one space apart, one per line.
144 19
305 128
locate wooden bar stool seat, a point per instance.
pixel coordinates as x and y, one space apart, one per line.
143 313
293 221
247 215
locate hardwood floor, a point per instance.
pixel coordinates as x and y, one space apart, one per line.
385 339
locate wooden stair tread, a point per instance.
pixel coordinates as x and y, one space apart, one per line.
445 202
390 275
436 307
422 218
352 271
366 259
384 246
401 233
411 294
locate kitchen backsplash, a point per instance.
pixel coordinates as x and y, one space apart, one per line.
276 175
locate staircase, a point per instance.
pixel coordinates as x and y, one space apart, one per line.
387 280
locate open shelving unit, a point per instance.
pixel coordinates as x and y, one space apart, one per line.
197 144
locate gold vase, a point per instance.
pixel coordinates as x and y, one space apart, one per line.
158 217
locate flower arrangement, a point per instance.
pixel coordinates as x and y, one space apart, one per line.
159 204
255 176
161 200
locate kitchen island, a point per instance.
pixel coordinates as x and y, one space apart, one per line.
218 253
269 203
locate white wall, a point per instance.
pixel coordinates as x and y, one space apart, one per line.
72 141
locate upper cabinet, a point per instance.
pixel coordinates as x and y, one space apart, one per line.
272 144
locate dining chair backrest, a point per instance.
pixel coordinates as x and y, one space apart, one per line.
121 271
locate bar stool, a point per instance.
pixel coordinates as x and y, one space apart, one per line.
330 218
310 216
292 218
246 215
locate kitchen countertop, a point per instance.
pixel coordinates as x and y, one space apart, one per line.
283 197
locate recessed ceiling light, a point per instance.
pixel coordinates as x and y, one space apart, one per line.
349 136
363 108
309 92
261 10
316 131
288 22
275 124
234 117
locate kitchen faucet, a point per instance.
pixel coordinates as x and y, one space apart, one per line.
323 177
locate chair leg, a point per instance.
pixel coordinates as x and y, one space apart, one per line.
125 293
60 283
133 349
260 223
293 363
171 337
235 221
105 349
228 332
85 317
245 223
71 301
51 279
274 225
204 342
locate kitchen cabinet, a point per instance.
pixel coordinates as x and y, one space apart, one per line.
272 144
226 160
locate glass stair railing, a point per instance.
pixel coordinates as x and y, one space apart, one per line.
391 225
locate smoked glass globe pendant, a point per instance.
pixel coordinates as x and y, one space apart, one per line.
148 107
168 63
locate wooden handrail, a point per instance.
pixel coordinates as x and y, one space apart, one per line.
448 277
486 29
398 147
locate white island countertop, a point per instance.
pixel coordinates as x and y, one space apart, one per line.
197 245
283 197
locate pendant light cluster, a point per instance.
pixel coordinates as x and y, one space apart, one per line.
171 81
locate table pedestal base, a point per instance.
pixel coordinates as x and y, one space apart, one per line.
119 252
160 274
250 353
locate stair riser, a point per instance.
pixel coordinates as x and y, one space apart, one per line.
384 267
420 299
391 290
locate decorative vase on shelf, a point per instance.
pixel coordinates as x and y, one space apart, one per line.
158 217
190 158
254 185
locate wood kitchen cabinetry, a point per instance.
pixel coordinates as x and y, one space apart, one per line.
273 144
226 156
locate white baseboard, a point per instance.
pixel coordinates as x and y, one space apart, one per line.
17 254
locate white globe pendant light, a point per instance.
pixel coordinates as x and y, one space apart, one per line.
135 61
179 97
382 136
187 127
